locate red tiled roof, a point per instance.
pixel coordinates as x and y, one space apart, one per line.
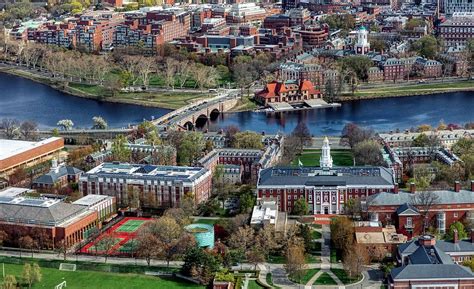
275 88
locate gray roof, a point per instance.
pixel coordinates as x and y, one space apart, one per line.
463 246
429 271
444 197
316 176
38 212
52 177
407 210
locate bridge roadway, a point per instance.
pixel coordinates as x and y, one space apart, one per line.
187 116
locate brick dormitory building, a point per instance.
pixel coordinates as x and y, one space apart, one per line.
154 186
46 221
328 189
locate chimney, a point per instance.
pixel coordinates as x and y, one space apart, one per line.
412 188
395 188
455 236
457 186
472 185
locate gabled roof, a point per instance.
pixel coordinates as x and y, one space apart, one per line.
430 271
52 177
407 210
463 246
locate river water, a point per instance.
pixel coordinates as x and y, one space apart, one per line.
24 99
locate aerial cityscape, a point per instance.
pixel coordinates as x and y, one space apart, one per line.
237 144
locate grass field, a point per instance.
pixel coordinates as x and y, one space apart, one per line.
316 235
169 99
206 221
342 275
130 226
254 285
99 280
403 90
310 158
308 275
325 279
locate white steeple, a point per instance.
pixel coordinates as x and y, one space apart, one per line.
362 46
325 161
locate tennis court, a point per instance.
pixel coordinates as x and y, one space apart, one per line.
130 226
124 233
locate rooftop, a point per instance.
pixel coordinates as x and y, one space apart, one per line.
147 171
9 148
316 176
91 200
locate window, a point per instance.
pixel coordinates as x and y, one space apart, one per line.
409 222
455 215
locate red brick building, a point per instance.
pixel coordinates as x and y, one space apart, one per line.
393 69
290 91
15 153
154 186
47 221
404 211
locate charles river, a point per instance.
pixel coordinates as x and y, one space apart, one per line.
27 100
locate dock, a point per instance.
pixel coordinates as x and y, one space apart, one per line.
307 104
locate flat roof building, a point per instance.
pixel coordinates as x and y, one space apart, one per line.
154 186
16 153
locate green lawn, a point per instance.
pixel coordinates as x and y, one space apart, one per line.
98 280
335 255
316 248
316 235
342 275
245 104
325 279
316 226
309 273
169 99
269 279
402 89
254 285
310 158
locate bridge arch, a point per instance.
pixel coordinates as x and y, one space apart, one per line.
201 121
214 114
189 125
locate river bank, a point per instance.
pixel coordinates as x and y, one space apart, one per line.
176 99
167 100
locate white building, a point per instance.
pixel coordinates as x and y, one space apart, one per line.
362 46
325 160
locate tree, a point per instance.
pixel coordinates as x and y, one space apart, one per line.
28 129
9 282
302 134
10 127
368 152
352 134
427 46
242 239
65 124
255 256
459 227
173 239
99 123
200 264
424 201
31 274
266 240
190 148
120 152
105 245
295 262
26 242
342 233
301 207
358 64
463 146
422 177
247 140
246 202
355 259
148 246
36 273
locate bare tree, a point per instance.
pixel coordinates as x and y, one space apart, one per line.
355 259
295 262
10 127
145 66
169 72
424 201
184 72
28 129
106 244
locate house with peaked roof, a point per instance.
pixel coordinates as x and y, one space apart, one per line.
59 175
424 264
289 91
404 211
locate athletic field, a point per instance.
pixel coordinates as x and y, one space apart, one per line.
124 233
